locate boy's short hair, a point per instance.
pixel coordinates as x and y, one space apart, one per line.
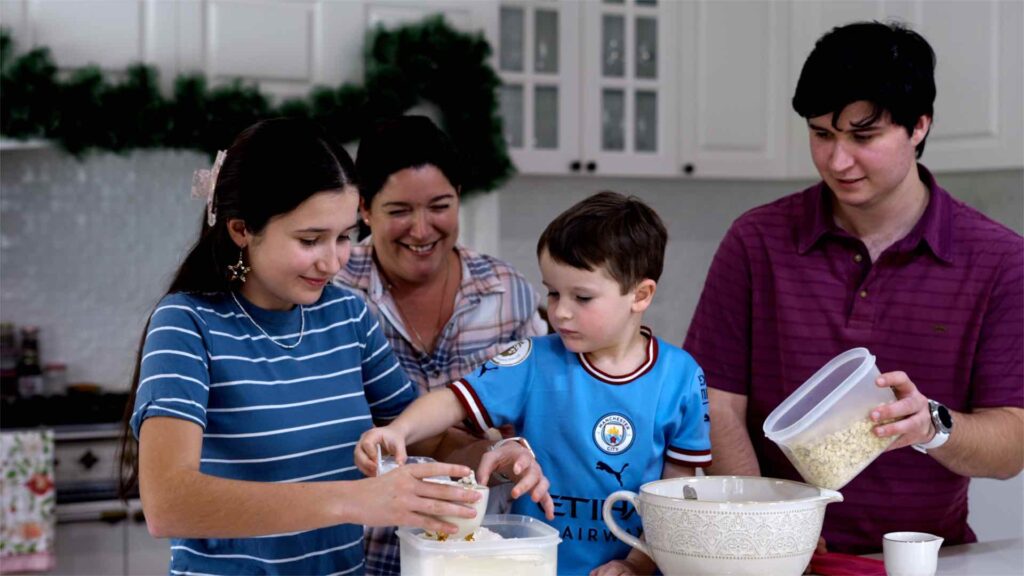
608 229
888 65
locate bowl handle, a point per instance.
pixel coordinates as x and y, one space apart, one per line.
619 532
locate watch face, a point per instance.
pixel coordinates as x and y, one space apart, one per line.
944 417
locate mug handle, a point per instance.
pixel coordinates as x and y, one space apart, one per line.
619 532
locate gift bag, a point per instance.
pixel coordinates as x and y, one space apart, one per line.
28 518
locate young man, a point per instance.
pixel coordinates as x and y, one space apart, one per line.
875 255
606 404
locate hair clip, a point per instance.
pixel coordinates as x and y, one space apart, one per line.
203 183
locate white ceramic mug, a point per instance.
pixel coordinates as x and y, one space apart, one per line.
910 553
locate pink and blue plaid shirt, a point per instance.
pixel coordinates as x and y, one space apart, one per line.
494 307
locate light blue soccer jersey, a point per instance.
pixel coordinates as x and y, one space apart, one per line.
271 414
593 433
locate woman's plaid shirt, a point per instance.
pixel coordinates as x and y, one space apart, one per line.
494 307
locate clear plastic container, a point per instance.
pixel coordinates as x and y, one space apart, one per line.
824 426
529 548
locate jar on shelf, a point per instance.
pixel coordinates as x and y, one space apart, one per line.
55 378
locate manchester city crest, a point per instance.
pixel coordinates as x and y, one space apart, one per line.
514 354
613 433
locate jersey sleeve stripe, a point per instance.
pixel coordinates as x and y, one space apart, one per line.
478 415
698 458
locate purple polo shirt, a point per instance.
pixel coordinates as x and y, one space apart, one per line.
788 290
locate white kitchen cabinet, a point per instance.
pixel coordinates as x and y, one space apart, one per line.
589 86
90 538
111 34
978 75
145 554
107 537
733 90
285 47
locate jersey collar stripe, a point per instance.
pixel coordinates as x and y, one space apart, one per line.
478 415
652 358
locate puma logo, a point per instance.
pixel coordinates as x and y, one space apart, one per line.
939 328
484 369
606 468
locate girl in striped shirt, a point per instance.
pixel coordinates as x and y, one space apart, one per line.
256 377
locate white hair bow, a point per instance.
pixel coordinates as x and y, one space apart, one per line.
203 183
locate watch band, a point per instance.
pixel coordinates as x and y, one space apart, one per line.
941 431
518 440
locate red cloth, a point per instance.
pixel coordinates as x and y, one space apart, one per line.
837 564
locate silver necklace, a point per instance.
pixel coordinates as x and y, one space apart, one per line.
302 325
440 315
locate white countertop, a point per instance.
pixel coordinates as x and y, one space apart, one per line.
994 558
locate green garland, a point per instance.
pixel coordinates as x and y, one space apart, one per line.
428 61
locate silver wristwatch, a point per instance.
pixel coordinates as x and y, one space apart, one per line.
943 423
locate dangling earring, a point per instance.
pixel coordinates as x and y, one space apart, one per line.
239 269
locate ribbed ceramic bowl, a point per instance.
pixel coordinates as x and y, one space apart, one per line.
737 525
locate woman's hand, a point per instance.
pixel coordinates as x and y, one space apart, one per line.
390 441
402 498
515 461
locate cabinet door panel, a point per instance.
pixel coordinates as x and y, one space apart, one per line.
90 548
629 89
733 93
978 84
146 555
537 44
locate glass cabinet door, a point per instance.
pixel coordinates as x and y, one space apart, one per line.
629 87
537 58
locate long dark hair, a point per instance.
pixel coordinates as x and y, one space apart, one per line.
271 168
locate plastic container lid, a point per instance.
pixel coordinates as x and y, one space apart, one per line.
823 427
520 533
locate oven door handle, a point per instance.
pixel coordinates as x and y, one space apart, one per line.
111 514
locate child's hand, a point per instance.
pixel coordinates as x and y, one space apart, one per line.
616 568
390 441
518 463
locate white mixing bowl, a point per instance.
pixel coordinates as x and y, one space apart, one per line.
736 525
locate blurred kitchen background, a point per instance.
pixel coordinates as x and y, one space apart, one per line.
682 103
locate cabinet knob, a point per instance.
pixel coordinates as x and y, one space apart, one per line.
575 165
687 168
591 166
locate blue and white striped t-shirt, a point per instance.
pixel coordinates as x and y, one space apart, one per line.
271 414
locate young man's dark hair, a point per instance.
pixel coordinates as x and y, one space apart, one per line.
887 65
608 229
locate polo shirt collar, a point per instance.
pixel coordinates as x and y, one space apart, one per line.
935 227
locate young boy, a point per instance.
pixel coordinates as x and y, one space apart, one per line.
606 405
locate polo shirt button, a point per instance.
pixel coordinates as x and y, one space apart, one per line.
857 257
863 293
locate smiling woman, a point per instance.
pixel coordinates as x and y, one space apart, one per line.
444 308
